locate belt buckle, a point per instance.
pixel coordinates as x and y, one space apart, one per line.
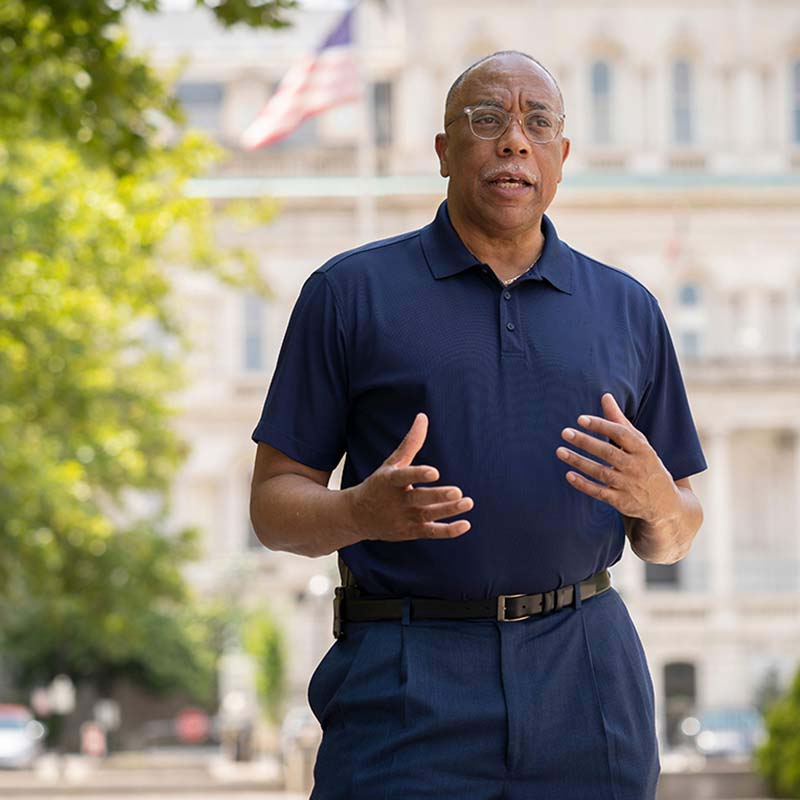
501 608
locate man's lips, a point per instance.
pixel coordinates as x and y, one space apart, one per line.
510 179
509 186
510 182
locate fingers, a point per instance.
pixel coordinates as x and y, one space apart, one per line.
441 530
434 511
402 476
425 495
607 475
628 438
597 447
411 443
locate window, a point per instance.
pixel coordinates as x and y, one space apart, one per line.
253 339
682 102
691 319
690 343
306 133
662 576
689 294
601 102
382 110
680 697
202 104
796 101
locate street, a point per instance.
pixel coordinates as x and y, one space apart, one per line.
204 794
204 775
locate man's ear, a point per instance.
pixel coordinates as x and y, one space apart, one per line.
440 144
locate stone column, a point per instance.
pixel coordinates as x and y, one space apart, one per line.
720 518
749 118
418 107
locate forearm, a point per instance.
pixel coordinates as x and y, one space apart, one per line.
293 513
669 539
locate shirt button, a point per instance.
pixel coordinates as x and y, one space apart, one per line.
507 295
510 326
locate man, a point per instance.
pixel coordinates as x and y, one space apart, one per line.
484 351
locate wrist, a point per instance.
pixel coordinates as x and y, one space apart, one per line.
353 513
669 512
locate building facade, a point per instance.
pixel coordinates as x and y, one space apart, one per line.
684 171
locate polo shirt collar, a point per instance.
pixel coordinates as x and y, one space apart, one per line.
447 255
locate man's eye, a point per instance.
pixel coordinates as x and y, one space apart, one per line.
539 121
486 118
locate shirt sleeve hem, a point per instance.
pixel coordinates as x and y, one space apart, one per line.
296 449
687 467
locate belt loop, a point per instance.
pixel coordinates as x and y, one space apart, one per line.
406 611
576 599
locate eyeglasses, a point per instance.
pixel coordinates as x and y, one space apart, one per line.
489 122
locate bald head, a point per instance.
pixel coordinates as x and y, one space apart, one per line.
453 103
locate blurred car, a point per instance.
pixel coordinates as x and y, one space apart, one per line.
21 737
725 731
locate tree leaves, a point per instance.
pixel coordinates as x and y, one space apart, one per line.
94 213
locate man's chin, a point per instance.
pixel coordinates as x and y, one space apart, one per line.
511 216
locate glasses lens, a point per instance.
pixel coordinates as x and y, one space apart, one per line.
541 126
488 123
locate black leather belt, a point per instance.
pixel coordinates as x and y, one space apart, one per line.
350 604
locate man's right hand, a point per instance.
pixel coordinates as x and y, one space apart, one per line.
387 506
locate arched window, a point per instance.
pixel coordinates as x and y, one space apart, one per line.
601 102
796 102
682 129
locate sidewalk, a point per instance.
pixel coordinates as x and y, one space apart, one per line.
163 772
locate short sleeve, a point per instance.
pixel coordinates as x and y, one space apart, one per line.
663 415
305 410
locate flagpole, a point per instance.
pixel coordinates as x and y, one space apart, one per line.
366 212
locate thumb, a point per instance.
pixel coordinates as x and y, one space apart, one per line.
411 444
612 411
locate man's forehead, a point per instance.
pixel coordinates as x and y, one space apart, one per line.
505 77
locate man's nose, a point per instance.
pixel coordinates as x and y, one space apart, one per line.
514 139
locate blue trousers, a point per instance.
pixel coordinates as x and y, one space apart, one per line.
559 707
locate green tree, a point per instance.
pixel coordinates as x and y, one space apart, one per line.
778 758
262 639
68 74
92 212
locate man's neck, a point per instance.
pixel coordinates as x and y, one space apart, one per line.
507 254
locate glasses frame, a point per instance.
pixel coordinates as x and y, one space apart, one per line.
468 111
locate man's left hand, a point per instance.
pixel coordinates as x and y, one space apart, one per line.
635 482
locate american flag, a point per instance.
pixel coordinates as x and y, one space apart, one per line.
329 77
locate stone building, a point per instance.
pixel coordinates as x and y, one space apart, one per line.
684 172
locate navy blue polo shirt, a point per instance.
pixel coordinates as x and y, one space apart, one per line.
416 323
